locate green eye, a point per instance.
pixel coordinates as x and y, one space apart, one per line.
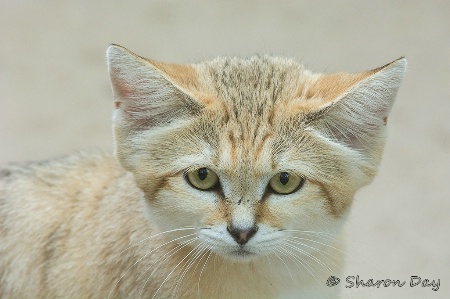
286 182
203 178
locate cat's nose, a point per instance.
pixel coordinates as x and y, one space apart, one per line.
241 236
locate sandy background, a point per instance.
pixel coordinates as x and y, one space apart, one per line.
55 98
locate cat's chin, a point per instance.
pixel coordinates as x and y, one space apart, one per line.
240 255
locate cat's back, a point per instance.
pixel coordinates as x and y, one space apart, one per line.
53 216
58 182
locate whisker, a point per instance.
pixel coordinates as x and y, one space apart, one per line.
311 256
322 252
317 242
329 257
205 251
153 236
168 275
350 254
195 258
167 255
327 236
298 259
201 271
317 234
140 259
348 249
170 253
284 263
303 262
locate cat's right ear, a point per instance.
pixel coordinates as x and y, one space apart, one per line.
145 95
150 97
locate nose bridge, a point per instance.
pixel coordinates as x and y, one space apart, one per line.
244 196
243 216
243 202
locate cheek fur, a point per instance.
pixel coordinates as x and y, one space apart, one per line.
178 204
303 210
268 214
220 214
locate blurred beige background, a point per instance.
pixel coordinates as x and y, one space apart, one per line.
55 98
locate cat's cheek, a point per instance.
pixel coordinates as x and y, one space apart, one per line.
178 205
306 209
217 214
268 213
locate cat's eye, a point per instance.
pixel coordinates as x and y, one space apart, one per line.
203 178
286 182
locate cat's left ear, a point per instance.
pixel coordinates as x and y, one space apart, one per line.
355 107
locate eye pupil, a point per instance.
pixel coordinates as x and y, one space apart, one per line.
202 173
202 178
286 182
284 178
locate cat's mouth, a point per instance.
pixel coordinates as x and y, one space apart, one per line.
229 248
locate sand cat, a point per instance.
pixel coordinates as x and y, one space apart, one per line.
231 178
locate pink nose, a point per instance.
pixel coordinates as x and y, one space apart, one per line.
241 236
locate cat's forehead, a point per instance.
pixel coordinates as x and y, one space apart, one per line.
253 96
252 82
246 112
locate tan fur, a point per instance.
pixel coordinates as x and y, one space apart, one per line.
92 225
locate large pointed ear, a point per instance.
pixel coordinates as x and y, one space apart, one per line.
145 95
149 97
354 107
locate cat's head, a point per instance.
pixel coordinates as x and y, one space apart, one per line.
248 151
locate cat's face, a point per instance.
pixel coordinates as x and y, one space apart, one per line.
248 152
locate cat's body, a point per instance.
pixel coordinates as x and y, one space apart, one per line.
192 205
